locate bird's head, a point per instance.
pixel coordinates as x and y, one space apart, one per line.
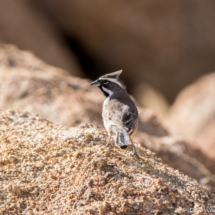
110 83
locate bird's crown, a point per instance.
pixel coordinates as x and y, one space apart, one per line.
114 78
112 75
110 83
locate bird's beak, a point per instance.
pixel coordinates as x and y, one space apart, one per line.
95 83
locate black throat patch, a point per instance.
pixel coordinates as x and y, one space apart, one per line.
105 93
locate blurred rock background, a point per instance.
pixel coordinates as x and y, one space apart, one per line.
193 113
162 46
29 84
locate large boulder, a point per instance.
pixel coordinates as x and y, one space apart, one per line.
183 155
50 169
193 114
29 84
167 43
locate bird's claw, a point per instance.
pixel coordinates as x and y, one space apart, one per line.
106 147
132 154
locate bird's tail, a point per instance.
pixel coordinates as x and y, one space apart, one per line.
122 139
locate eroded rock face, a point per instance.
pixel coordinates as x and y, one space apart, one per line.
50 169
27 83
193 114
183 155
167 43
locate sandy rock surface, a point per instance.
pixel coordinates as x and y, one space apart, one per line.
50 169
183 155
193 114
27 83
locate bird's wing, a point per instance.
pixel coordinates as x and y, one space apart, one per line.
129 119
123 117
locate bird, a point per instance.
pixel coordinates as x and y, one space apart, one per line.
119 113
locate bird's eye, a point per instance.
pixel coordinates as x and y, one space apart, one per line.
105 82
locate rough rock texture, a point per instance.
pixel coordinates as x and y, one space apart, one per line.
49 169
166 43
193 114
23 25
29 84
183 155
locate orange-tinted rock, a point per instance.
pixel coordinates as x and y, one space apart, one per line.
183 155
193 114
28 84
50 169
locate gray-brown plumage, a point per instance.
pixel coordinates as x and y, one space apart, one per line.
119 114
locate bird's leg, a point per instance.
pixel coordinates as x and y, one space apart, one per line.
134 149
107 145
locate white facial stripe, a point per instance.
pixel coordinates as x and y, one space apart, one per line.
113 80
109 92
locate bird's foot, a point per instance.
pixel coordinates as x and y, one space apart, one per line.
106 146
132 154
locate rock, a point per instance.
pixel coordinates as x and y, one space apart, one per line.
150 124
166 44
27 83
50 169
193 114
23 25
183 155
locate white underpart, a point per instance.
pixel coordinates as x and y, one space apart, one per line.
106 102
108 123
109 92
113 80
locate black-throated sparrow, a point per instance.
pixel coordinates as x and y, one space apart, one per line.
119 113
